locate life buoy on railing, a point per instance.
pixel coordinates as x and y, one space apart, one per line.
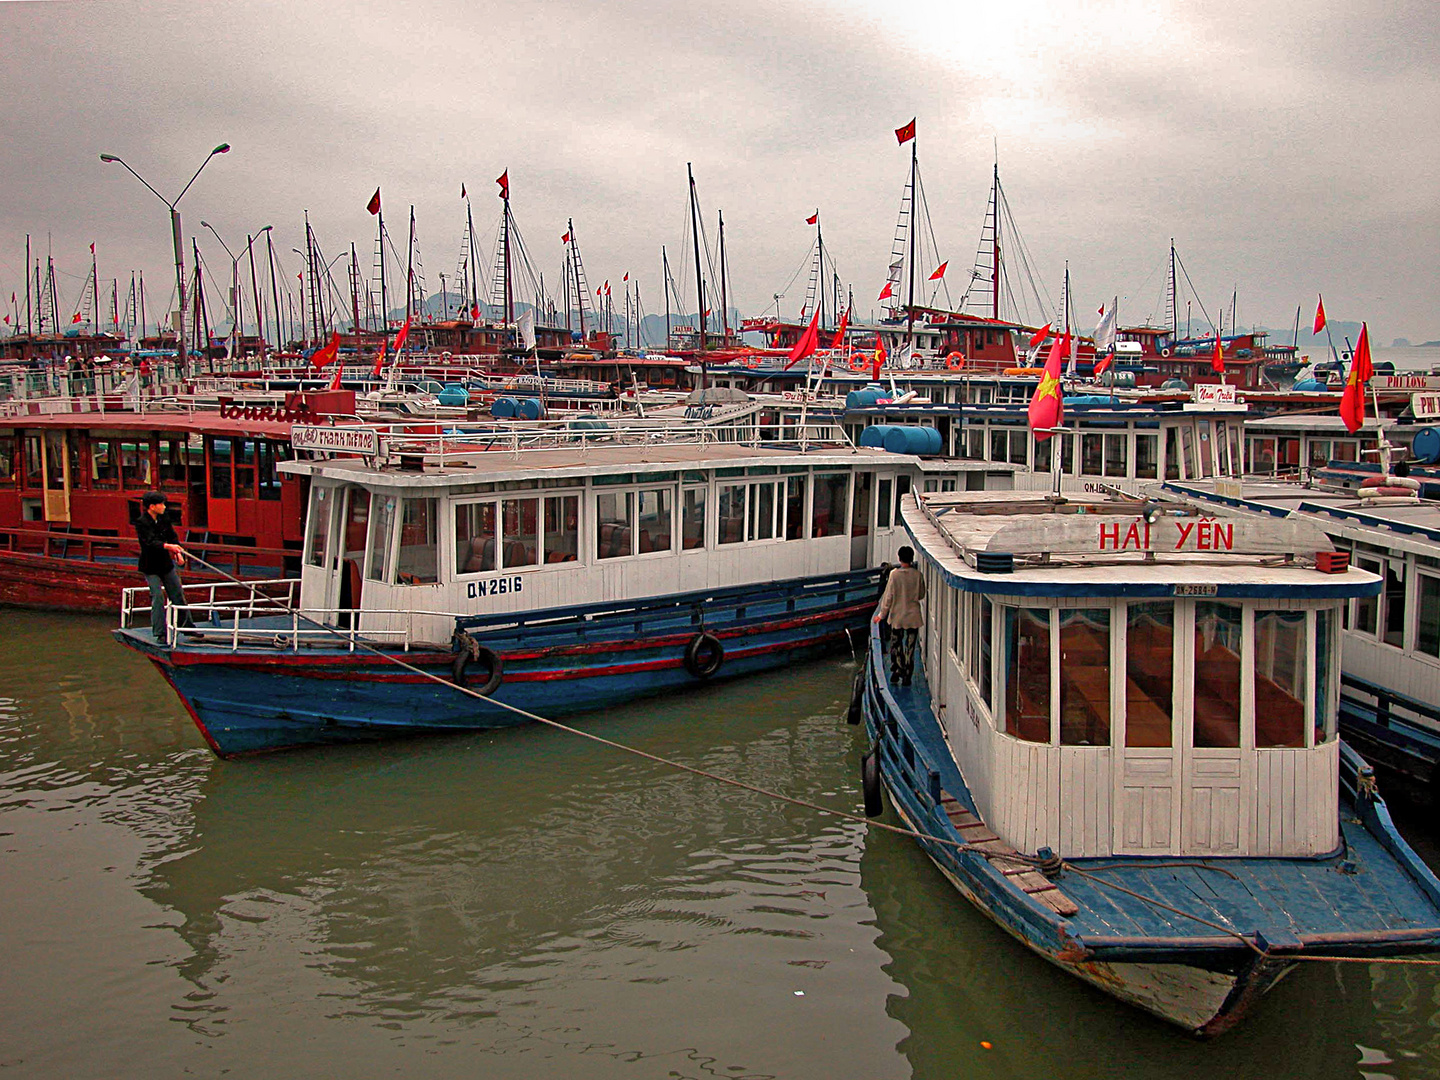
1165 352
955 362
483 656
704 655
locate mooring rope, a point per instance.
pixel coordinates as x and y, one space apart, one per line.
915 834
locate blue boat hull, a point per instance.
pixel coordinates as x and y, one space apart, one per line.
554 663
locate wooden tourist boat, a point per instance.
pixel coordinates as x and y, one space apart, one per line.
557 575
1120 744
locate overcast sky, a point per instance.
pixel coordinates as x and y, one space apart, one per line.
1289 148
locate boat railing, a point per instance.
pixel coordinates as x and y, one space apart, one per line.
246 624
122 551
251 598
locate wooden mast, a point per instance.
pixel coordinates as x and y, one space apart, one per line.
665 283
910 247
472 270
695 232
354 293
995 249
384 292
724 293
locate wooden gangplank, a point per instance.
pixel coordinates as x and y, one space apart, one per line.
1021 874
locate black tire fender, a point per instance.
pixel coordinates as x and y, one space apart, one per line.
704 655
484 657
870 783
857 699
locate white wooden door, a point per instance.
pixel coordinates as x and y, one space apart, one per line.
1147 755
1216 778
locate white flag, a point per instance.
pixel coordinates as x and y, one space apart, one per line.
526 325
1105 332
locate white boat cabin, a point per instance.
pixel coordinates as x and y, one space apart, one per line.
503 530
1138 678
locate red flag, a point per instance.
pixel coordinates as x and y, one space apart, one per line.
1217 361
504 182
374 204
887 291
806 345
1319 316
92 249
474 312
328 353
401 336
627 276
462 189
379 361
607 292
880 356
7 320
1047 405
565 239
76 318
906 133
1103 364
1039 335
940 271
335 382
1352 402
839 342
813 218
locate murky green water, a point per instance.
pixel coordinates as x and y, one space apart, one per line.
528 904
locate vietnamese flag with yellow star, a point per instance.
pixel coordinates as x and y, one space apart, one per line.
1047 405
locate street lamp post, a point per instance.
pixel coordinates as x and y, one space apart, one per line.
255 289
223 148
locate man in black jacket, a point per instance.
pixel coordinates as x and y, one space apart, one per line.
159 548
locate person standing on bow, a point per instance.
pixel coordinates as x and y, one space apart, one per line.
900 606
159 552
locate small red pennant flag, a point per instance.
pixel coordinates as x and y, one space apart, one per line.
813 218
474 312
627 276
940 271
76 318
401 336
806 345
1039 335
92 249
462 190
504 182
335 382
906 133
888 291
1319 316
565 239
374 204
379 361
839 342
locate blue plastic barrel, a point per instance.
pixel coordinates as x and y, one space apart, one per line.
874 435
1309 386
454 394
502 408
1426 446
909 439
529 409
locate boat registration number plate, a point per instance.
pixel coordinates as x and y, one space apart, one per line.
1196 590
493 587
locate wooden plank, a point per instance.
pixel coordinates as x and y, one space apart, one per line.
1058 902
1032 882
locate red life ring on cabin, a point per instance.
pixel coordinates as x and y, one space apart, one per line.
1165 352
955 362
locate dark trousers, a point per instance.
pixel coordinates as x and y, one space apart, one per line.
902 653
161 586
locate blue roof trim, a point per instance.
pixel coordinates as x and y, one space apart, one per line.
1226 500
1373 520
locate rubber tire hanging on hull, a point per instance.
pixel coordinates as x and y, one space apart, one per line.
704 655
870 783
857 698
484 657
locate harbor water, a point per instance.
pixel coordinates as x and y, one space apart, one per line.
530 904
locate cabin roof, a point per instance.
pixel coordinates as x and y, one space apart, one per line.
205 423
505 464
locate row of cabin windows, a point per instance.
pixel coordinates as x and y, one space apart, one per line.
1267 454
1052 682
1410 589
1189 451
104 461
520 531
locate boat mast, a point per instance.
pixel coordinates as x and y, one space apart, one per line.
819 271
910 246
384 292
575 268
410 268
1295 334
29 321
94 292
995 248
1174 305
505 232
274 293
699 281
665 274
354 294
472 270
142 307
724 295
255 291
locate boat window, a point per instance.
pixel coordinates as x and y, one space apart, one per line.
32 460
1045 455
1116 458
1027 674
104 463
1280 657
1172 459
987 619
860 512
999 444
1019 446
954 614
1394 607
692 518
1344 450
7 460
614 524
1207 467
1085 677
795 508
1187 443
267 480
1091 453
220 479
975 443
1319 453
1149 673
245 468
520 533
382 530
562 528
1427 623
1218 630
1367 608
417 562
1067 454
1325 658
475 537
1288 453
322 500
731 523
1262 455
657 511
135 464
174 460
1145 456
884 503
762 512
1237 466
828 505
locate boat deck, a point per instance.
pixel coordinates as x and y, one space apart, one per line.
1369 897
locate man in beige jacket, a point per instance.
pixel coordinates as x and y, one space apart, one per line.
901 608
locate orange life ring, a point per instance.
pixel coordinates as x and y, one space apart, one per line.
1036 371
955 362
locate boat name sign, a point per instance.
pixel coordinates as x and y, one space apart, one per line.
1425 406
1405 382
1086 534
343 440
